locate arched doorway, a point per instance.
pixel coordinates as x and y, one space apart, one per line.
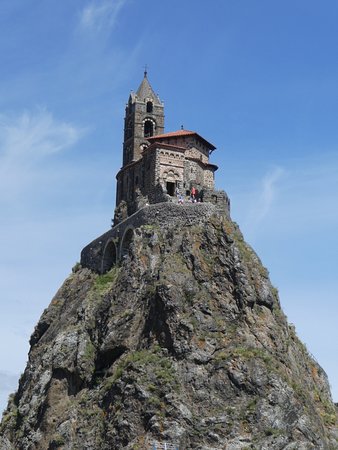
109 257
171 180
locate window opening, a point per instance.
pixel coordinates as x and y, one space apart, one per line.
149 107
148 128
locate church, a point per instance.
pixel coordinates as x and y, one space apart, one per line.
166 179
158 166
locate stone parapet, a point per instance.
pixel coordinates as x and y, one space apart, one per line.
109 248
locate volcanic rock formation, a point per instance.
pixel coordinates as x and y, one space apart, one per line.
182 343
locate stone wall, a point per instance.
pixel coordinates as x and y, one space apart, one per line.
105 251
159 165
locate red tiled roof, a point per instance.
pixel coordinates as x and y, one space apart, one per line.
173 134
180 133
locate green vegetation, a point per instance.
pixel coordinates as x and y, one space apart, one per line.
255 268
189 297
57 441
77 266
154 401
149 228
93 412
84 397
246 353
173 263
127 314
251 406
324 406
329 417
8 417
104 282
275 293
194 322
302 392
208 258
89 351
327 410
301 346
153 369
245 251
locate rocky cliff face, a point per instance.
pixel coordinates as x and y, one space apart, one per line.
183 343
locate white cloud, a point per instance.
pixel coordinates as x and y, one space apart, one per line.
32 135
25 140
261 201
98 15
294 201
268 192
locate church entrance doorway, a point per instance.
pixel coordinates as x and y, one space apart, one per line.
171 188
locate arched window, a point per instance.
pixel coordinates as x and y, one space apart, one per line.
148 128
149 107
109 257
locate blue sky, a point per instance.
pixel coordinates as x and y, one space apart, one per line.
257 79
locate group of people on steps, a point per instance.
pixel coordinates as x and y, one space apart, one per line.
195 196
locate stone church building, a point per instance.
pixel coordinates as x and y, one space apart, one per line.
158 166
159 171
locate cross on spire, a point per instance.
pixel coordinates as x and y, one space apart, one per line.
145 71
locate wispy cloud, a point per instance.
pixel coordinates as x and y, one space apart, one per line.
26 140
305 189
34 135
268 192
98 15
262 200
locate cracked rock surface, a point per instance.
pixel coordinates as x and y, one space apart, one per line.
183 343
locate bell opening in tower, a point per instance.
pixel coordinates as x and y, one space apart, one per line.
149 107
148 129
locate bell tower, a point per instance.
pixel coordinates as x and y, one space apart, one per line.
144 118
